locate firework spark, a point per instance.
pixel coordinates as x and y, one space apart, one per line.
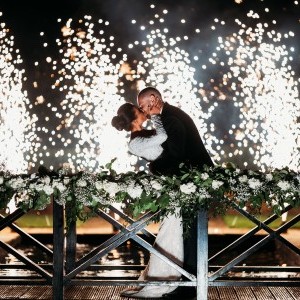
247 110
17 123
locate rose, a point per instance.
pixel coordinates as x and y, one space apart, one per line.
16 183
98 185
269 177
66 180
156 185
216 184
57 184
237 171
46 180
243 179
188 188
284 185
81 183
204 176
34 186
110 187
254 183
48 190
134 191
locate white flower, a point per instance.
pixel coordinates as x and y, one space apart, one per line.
173 195
251 172
254 183
66 180
46 180
243 179
134 191
16 183
101 200
203 194
188 188
48 189
81 183
284 185
146 185
232 181
216 184
237 171
98 185
23 197
110 187
269 177
34 186
1 179
156 185
57 184
145 181
204 176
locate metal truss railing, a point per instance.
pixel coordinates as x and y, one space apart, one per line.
64 269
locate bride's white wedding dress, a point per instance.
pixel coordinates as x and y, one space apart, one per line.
169 240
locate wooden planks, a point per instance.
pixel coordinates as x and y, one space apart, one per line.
14 292
244 293
37 292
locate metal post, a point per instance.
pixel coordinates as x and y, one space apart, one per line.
202 255
71 238
58 250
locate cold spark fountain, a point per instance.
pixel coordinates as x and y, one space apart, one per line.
246 109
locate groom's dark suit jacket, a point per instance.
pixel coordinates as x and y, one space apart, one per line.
183 145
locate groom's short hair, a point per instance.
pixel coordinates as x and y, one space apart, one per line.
148 91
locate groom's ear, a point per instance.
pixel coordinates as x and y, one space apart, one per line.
154 100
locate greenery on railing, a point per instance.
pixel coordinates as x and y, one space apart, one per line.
214 188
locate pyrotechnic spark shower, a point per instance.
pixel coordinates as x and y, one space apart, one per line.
18 140
256 74
89 77
247 111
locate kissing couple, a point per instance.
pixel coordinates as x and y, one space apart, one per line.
173 140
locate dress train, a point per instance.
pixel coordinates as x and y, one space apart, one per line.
169 241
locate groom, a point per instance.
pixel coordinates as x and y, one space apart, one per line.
183 145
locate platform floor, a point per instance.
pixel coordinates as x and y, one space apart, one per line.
113 293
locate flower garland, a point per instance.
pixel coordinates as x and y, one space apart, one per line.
214 188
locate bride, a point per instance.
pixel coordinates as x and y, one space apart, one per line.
146 143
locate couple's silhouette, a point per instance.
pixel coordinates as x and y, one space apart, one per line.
175 140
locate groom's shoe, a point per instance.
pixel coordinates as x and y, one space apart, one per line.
181 292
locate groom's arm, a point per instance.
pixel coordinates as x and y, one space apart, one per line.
174 148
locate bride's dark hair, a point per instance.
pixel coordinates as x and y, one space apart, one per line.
124 118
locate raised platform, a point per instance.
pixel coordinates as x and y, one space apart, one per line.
113 293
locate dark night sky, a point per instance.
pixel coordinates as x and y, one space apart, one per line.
27 18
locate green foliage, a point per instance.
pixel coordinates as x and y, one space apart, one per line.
216 189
